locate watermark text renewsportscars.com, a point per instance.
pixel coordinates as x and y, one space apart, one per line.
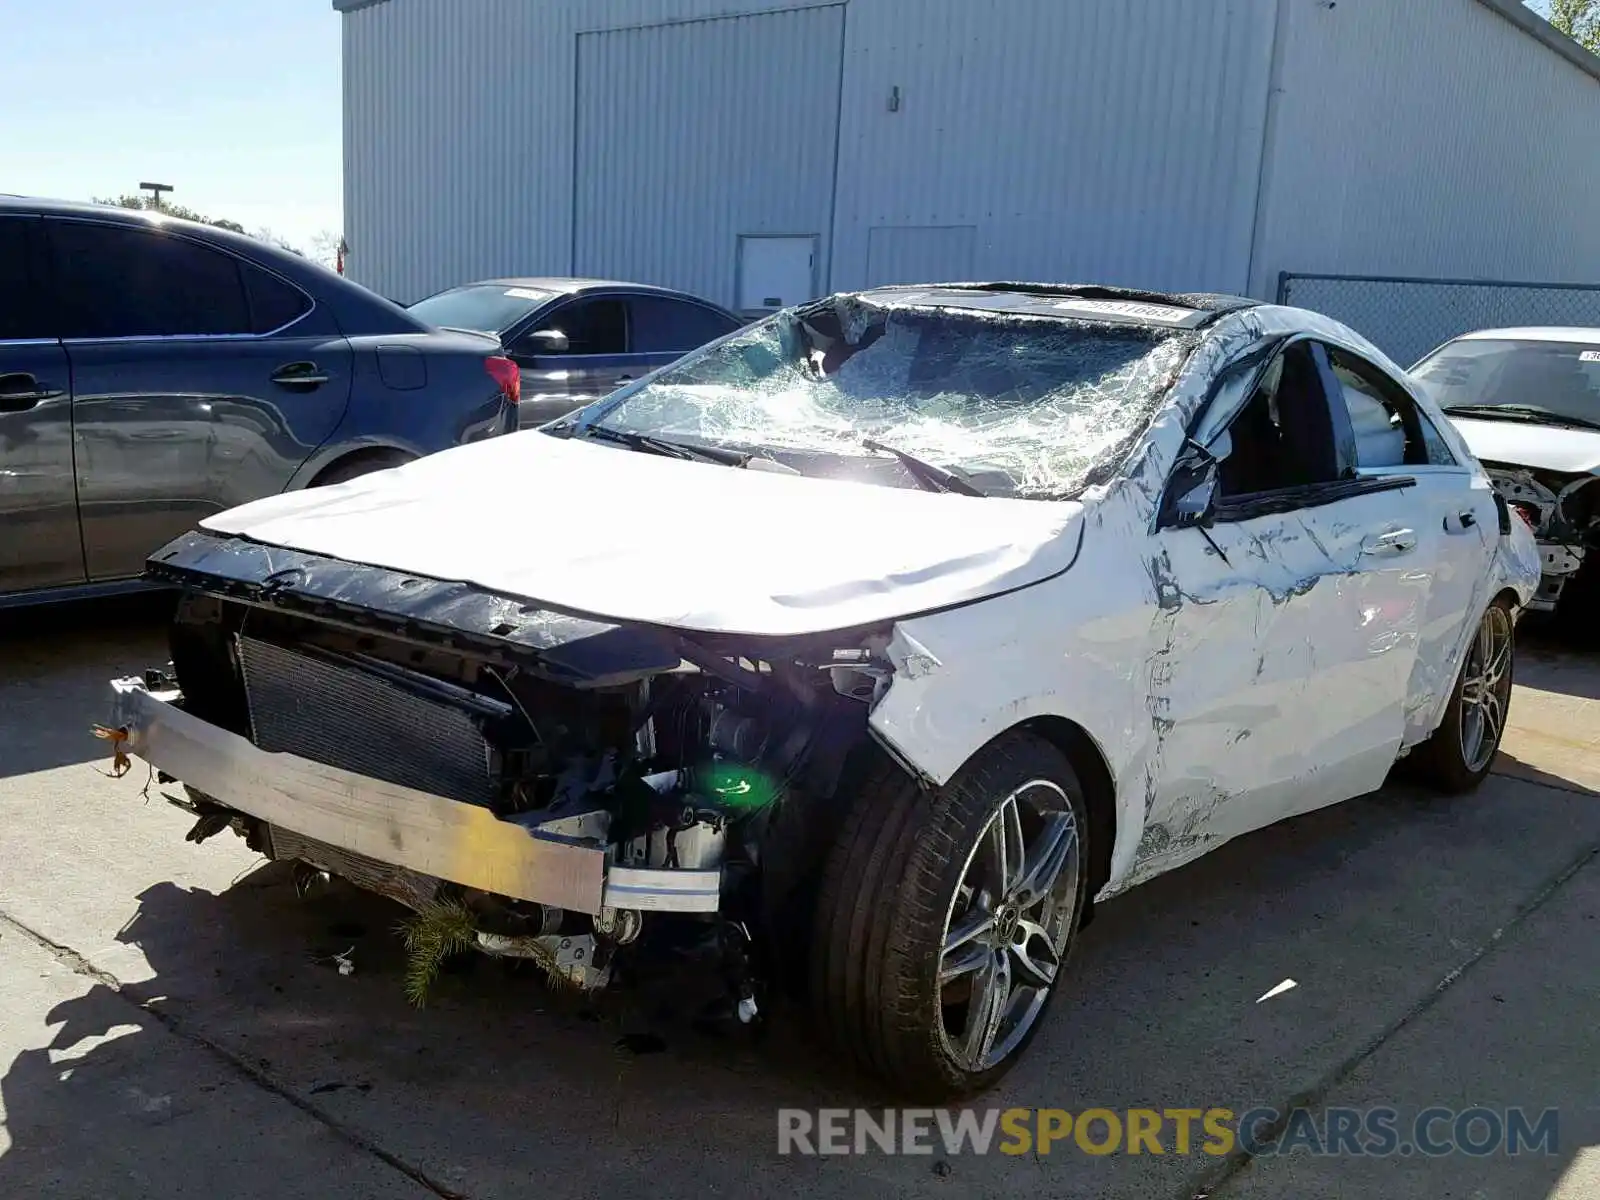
1216 1132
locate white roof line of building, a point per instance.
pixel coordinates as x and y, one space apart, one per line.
1518 13
1531 23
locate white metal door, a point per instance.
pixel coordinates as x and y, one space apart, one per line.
775 272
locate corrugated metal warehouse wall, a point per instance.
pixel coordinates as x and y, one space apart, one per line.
1428 138
695 134
1113 140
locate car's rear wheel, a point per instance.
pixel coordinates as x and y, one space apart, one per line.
945 920
1462 750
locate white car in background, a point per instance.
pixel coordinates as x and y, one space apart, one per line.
1527 401
878 641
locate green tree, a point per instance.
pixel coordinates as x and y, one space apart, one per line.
1579 20
180 211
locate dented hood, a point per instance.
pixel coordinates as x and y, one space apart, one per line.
612 533
1542 447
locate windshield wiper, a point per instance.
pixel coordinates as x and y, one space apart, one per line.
1523 412
664 446
926 473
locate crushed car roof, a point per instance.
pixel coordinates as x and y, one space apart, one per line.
1086 302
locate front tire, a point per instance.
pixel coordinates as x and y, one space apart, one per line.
1461 752
945 920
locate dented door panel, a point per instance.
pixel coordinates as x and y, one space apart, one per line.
1278 669
1458 519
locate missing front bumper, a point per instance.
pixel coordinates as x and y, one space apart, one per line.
391 824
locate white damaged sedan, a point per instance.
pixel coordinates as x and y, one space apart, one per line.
858 653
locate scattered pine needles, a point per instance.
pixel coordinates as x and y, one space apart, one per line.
437 932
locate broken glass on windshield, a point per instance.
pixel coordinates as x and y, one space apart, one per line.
1041 403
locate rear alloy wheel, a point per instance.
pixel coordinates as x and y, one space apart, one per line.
945 920
1462 750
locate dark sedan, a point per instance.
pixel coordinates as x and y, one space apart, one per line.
154 372
577 340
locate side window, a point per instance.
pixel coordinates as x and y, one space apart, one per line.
663 326
121 282
22 298
1391 431
1283 436
598 326
273 303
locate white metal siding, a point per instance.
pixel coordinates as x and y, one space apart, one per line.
459 119
1430 138
1108 140
693 134
1112 141
920 253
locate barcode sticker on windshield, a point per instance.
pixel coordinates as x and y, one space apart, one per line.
1133 311
525 294
1589 356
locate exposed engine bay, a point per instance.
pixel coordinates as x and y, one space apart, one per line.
1564 513
701 783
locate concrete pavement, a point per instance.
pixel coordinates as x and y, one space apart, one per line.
1400 918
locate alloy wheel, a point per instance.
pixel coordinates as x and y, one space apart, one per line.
1007 926
1486 690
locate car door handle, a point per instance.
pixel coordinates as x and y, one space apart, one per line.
1383 545
299 374
20 391
624 378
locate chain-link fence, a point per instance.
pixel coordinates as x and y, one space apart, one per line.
1406 318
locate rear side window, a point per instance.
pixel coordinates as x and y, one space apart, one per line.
665 326
593 326
273 303
1390 430
22 298
121 282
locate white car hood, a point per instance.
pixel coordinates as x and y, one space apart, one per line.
1545 447
608 532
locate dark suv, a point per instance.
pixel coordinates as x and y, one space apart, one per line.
155 371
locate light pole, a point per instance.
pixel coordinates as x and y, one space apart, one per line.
155 190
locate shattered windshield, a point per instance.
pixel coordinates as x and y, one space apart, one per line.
1034 404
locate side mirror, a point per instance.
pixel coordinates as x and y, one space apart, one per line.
1192 499
547 341
1198 505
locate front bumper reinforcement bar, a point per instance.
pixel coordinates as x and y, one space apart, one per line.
428 834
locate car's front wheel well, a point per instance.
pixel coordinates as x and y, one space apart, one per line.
1100 789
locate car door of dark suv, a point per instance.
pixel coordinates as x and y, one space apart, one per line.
39 543
200 381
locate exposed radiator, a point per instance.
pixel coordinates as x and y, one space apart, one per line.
347 717
397 883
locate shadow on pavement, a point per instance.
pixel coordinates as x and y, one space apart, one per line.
55 663
501 1087
1513 767
1553 662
